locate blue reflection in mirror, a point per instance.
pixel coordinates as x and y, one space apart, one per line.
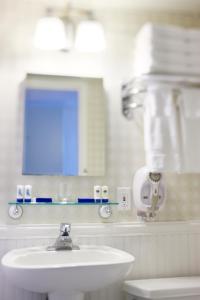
51 132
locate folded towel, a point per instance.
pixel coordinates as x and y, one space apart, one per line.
156 67
168 38
189 103
167 49
168 32
150 30
161 43
160 129
167 45
169 57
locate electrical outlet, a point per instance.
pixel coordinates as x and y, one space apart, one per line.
124 198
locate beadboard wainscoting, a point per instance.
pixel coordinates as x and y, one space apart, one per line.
160 249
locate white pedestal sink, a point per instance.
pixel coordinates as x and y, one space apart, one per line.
66 275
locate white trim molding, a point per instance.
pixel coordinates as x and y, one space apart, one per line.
99 229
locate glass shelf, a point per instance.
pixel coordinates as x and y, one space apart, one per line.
60 203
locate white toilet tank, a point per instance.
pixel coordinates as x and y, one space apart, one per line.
177 288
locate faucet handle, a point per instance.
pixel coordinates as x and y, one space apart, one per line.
65 229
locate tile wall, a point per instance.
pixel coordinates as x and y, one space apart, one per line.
124 139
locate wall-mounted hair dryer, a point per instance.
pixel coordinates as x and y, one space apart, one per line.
148 193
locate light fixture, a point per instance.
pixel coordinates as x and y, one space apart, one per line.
50 34
90 37
53 33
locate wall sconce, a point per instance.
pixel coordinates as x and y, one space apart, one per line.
55 33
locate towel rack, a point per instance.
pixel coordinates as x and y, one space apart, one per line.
132 91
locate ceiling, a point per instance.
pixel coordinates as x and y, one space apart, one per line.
156 5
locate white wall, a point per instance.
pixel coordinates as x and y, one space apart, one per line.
124 145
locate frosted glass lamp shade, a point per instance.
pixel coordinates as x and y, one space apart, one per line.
50 34
90 37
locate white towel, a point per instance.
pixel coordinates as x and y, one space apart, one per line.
150 30
148 66
189 103
160 129
168 45
167 49
158 65
168 38
161 43
168 57
171 33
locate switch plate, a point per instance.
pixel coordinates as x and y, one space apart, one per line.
124 198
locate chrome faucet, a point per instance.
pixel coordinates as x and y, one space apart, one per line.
65 229
64 241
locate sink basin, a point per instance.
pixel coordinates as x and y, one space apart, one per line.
66 274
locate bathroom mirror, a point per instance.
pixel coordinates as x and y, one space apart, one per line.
64 126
